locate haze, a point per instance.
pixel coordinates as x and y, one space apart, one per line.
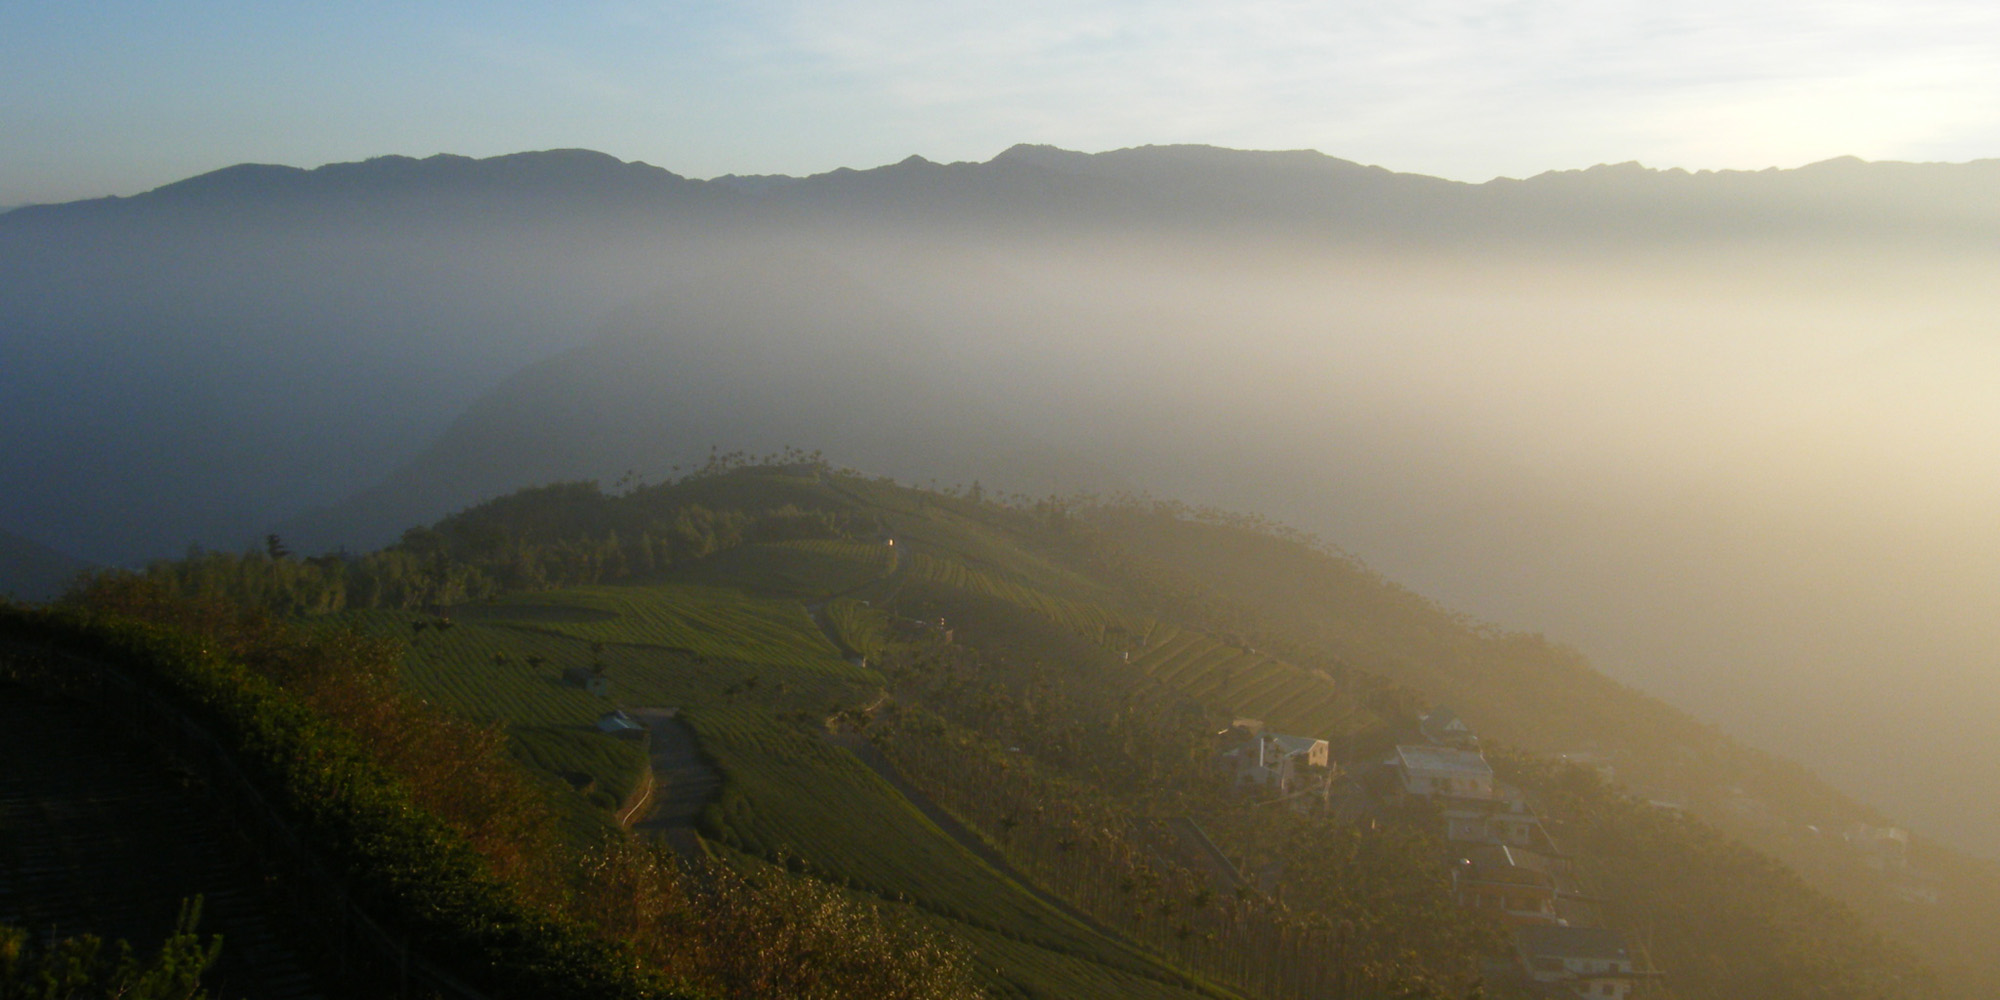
1732 433
1743 461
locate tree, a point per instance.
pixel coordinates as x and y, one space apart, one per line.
81 968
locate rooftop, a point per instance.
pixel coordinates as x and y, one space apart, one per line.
1501 863
1293 744
1551 941
619 722
1461 762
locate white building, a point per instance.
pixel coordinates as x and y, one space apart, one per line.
1442 771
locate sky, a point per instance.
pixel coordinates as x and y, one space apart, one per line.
116 97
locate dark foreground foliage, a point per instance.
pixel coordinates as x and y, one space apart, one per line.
83 968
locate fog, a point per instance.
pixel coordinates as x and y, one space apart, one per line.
1738 451
1758 481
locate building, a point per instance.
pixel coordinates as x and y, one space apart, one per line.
1517 886
1504 818
1588 962
1591 760
1276 761
617 723
1443 727
1883 848
1443 771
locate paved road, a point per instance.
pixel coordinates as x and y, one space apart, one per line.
99 835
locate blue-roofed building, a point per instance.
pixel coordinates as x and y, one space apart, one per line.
621 725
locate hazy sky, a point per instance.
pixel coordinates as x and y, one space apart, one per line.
116 97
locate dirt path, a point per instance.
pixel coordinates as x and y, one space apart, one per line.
99 835
816 610
685 781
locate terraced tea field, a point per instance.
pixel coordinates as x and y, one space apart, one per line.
1092 620
706 622
753 677
1201 667
806 570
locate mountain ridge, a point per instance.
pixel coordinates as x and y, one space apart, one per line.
1232 174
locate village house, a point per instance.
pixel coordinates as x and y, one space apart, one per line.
1588 962
1276 761
1442 771
1519 887
1505 818
1443 727
919 630
1591 760
1476 809
1883 848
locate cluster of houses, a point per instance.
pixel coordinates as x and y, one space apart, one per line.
1886 850
1504 861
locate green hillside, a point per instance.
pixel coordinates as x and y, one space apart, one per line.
999 721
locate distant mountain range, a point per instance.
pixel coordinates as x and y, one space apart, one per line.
1300 191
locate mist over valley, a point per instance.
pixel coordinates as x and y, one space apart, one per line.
1730 434
1683 476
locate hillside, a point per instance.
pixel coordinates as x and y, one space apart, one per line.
1000 719
1530 694
32 572
767 350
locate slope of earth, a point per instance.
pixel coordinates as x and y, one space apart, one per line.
98 835
32 572
1051 675
1529 694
